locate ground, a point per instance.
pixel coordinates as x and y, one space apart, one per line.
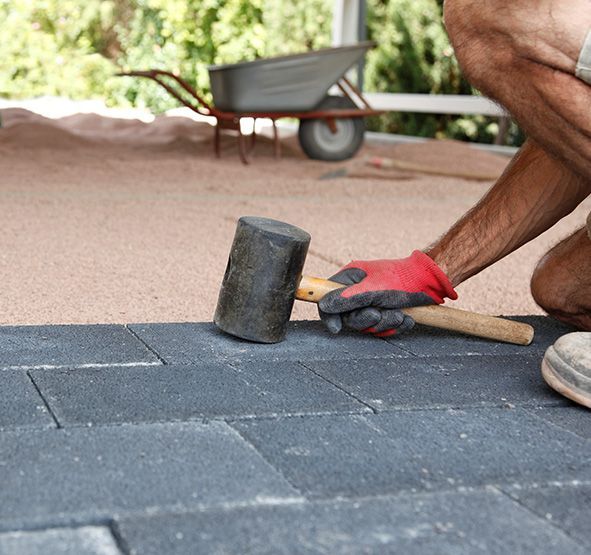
117 221
177 439
145 436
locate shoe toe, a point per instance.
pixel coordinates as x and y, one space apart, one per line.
567 367
573 350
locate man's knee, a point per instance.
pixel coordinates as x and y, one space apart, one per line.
483 53
545 286
491 37
560 283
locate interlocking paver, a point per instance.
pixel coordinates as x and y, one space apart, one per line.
439 382
33 346
567 506
159 393
575 419
303 464
71 476
86 540
425 341
477 522
417 450
20 404
190 343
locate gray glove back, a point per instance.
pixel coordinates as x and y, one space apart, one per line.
378 310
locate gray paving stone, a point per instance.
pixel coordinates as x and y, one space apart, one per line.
20 404
425 341
573 419
190 343
478 522
417 450
567 506
165 393
33 346
185 343
441 382
67 477
86 540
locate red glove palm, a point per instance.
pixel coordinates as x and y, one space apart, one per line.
378 289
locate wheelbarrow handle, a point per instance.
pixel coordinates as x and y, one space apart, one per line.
158 75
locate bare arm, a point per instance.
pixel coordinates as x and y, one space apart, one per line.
534 193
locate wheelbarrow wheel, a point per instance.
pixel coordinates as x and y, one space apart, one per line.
320 143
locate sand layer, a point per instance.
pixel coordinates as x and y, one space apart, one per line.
108 220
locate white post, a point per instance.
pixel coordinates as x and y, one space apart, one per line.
345 22
346 27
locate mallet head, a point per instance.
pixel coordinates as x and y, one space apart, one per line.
262 276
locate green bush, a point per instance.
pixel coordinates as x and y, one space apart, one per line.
45 52
74 48
414 55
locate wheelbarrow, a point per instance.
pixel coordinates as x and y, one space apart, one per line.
296 86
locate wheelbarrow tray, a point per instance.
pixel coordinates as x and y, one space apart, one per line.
295 83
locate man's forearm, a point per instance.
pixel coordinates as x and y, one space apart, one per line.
533 194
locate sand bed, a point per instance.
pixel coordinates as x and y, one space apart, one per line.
112 220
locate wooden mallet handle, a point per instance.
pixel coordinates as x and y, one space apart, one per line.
312 289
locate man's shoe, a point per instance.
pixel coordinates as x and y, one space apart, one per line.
567 367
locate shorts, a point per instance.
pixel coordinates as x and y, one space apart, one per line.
583 71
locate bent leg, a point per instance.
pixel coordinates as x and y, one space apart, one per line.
524 55
561 283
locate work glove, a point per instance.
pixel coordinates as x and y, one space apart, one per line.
377 290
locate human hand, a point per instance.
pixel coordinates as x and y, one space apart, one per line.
376 290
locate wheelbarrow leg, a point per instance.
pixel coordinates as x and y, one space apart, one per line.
332 125
253 136
216 139
276 141
242 149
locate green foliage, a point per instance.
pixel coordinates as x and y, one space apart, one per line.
414 55
48 48
74 48
298 26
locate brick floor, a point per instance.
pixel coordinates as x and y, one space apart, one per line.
173 438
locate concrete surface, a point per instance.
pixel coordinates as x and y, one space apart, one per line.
21 405
424 523
118 221
140 394
86 540
452 382
88 474
381 450
419 450
55 346
192 343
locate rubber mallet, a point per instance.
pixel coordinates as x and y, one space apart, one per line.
264 277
